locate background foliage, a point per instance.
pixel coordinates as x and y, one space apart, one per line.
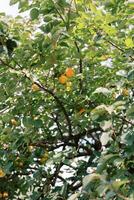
66 101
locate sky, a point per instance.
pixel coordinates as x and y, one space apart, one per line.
10 10
13 10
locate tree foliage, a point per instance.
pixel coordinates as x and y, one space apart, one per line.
66 102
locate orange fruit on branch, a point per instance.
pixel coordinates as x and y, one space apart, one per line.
82 110
5 195
69 72
62 79
2 173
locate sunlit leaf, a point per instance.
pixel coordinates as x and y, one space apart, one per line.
129 43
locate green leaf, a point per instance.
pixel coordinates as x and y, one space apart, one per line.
119 105
46 28
23 5
34 13
130 76
38 123
104 160
1 49
63 191
130 112
101 112
122 73
12 2
101 189
93 7
74 196
47 18
117 184
102 90
89 178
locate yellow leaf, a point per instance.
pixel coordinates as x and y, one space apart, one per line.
35 87
13 122
68 86
129 43
92 7
44 158
125 92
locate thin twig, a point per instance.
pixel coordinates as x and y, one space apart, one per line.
58 125
6 64
127 121
119 48
60 15
56 173
80 64
69 12
121 196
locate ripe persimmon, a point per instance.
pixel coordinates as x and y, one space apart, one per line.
2 173
5 195
62 79
82 110
69 72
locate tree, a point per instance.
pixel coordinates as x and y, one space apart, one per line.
67 112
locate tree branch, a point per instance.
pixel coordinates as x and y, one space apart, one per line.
56 173
55 119
59 103
60 15
80 64
127 121
119 48
6 64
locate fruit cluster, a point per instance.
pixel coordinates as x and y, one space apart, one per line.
64 78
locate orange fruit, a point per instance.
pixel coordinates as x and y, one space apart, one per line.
69 72
13 122
62 79
82 110
5 194
2 173
35 87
